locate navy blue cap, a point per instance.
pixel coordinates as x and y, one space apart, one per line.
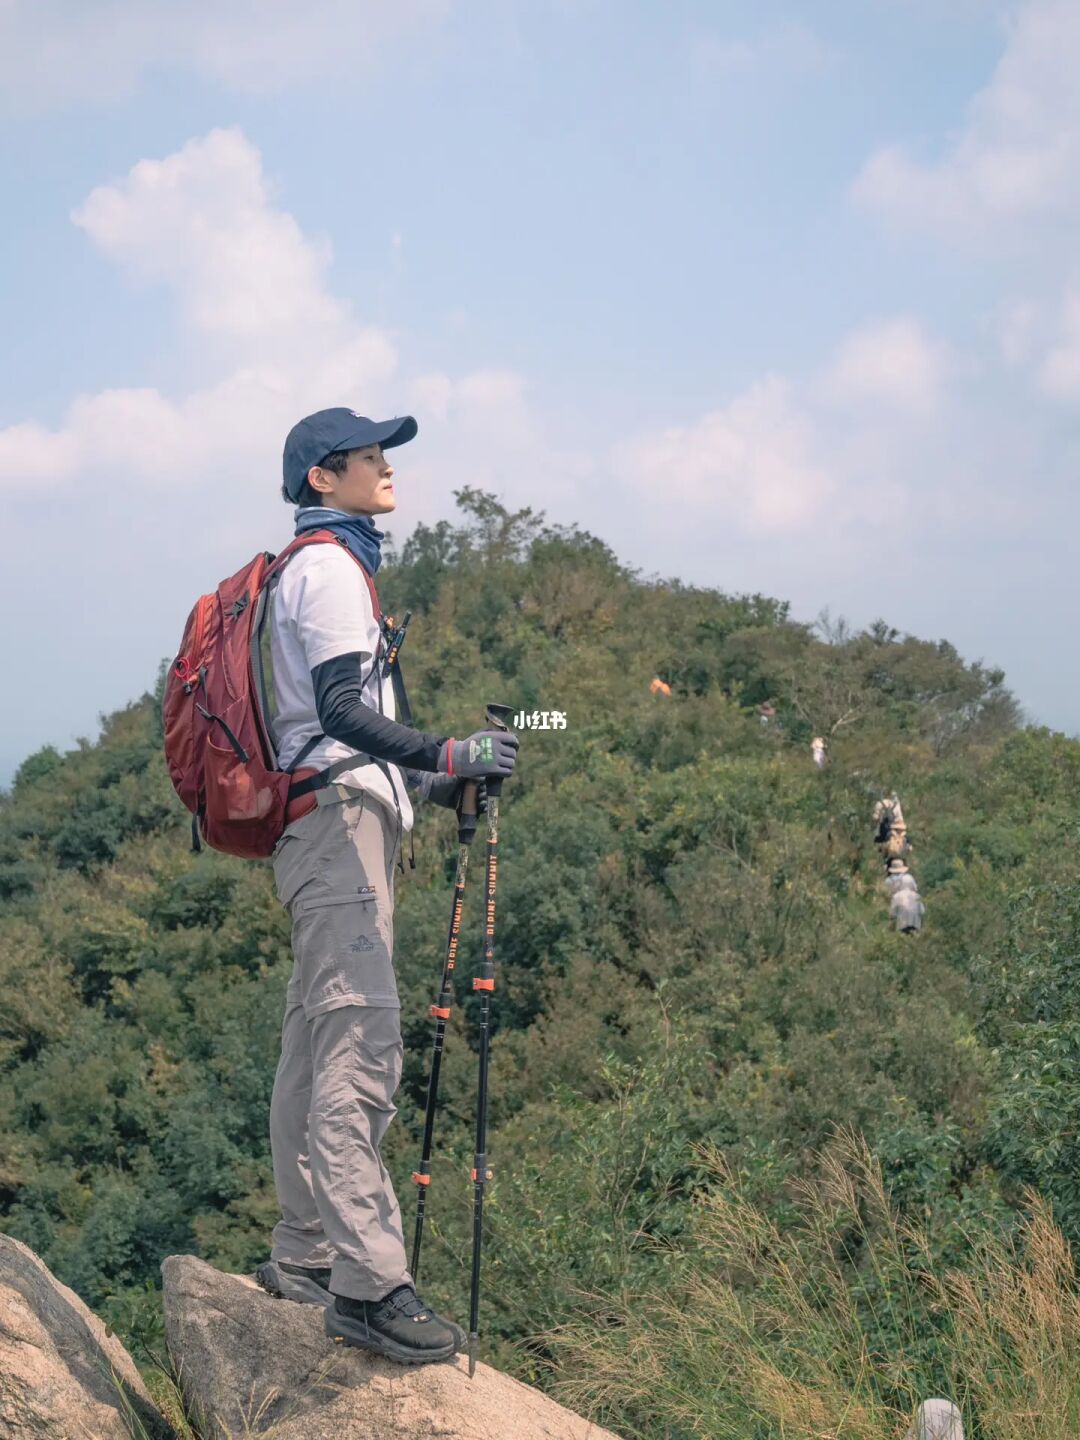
313 438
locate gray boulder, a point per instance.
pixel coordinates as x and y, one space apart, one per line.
61 1376
250 1364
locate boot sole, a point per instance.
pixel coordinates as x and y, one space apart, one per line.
282 1286
341 1333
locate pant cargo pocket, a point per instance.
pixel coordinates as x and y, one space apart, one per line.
343 945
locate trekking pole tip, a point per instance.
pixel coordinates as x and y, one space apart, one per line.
474 1339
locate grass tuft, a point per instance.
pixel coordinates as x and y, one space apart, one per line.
763 1334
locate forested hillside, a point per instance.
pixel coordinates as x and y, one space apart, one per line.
694 952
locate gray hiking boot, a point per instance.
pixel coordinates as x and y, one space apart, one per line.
295 1282
399 1326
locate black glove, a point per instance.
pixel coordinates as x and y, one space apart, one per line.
481 798
445 790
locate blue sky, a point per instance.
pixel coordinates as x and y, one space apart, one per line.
770 297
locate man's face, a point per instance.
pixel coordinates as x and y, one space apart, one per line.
365 486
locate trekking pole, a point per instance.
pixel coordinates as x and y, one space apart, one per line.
441 1009
485 983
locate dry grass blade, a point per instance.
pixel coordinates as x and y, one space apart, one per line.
763 1334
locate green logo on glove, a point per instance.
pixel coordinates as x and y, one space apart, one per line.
481 749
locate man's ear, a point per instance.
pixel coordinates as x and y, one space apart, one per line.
314 476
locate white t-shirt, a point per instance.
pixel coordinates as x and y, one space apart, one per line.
321 608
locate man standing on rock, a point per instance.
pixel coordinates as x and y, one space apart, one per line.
339 1241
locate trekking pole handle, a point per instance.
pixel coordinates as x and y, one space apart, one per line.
497 717
467 811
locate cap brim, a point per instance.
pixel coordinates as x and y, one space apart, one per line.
386 433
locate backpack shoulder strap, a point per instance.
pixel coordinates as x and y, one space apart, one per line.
323 537
401 699
273 570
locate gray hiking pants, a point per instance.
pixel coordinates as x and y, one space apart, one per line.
341 1047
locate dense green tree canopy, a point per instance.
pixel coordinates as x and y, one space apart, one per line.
693 946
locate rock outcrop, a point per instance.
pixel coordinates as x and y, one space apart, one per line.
247 1365
62 1377
250 1364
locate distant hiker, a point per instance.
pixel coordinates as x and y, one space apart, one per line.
817 750
891 828
339 1241
658 686
767 713
906 908
898 877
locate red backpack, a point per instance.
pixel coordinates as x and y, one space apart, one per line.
217 737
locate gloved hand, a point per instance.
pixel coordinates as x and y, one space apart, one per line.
485 752
445 790
481 795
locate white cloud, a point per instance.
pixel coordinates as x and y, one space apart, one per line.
433 394
492 404
483 433
756 461
245 276
1040 339
1059 373
145 440
30 453
1016 157
1016 326
487 406
893 364
1008 181
828 461
201 221
253 290
55 51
